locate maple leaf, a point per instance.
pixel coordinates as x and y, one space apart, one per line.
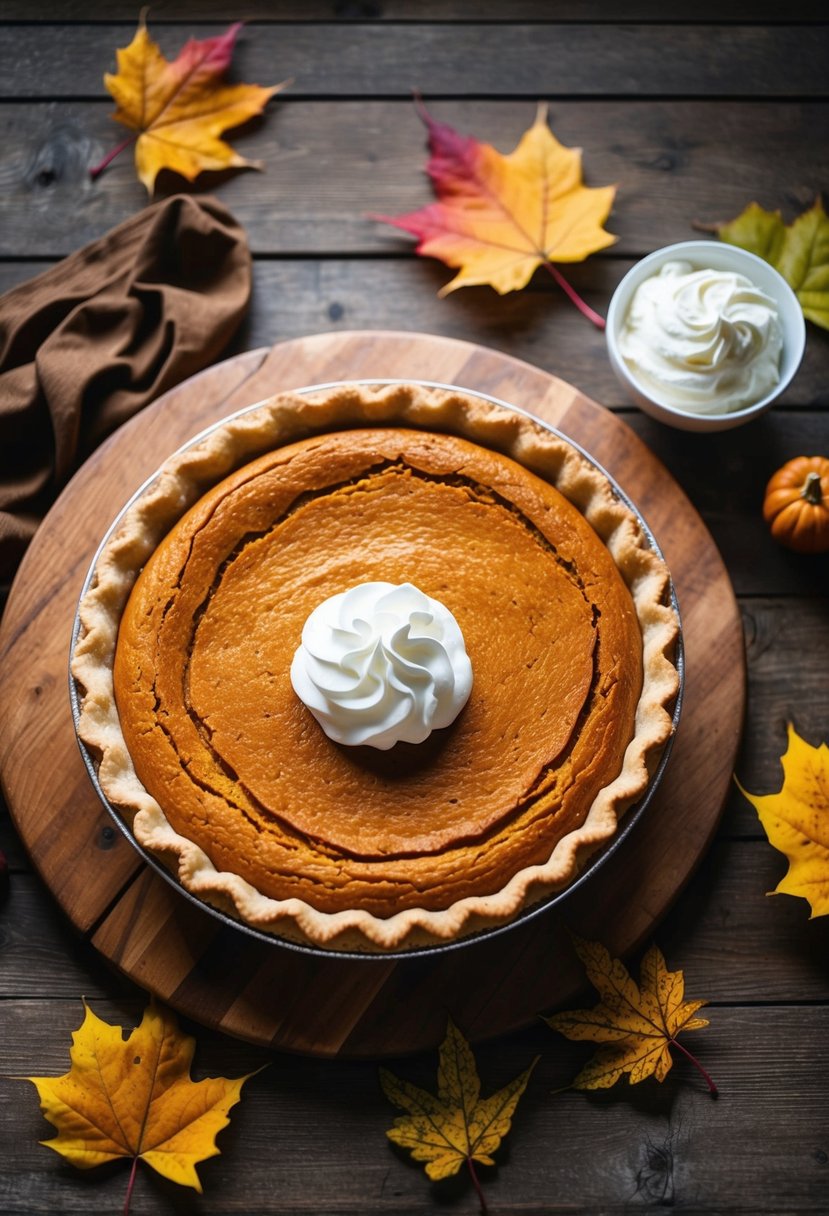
796 821
134 1098
501 217
180 108
799 251
457 1125
637 1024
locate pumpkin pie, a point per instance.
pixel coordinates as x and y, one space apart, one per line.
198 606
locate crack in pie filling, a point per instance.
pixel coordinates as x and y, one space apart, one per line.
190 628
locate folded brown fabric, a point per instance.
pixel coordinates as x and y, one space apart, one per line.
91 341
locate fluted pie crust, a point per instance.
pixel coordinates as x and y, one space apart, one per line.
225 775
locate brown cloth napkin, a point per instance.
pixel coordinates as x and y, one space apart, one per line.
91 341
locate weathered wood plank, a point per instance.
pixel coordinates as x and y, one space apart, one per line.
16 857
725 476
37 941
309 1136
416 10
295 297
329 165
378 59
787 642
733 943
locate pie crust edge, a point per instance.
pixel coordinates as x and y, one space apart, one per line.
283 419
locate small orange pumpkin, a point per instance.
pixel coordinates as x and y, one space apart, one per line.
796 504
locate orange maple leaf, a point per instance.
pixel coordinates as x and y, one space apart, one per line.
180 108
134 1098
499 217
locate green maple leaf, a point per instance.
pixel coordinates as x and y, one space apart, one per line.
799 251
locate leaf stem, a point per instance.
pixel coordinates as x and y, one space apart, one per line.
573 295
712 1089
98 169
130 1185
477 1185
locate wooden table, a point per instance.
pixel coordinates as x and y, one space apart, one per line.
694 113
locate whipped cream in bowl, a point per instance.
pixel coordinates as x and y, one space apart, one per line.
382 664
704 335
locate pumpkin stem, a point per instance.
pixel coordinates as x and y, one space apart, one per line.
811 490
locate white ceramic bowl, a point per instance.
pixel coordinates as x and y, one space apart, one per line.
715 255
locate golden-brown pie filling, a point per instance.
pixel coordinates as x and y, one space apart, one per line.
239 765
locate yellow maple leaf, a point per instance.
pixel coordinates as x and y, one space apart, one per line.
180 108
796 821
637 1023
499 217
134 1098
456 1125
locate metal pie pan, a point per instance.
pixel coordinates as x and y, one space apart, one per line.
596 861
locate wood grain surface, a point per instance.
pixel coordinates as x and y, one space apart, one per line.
513 60
361 156
369 1007
298 1110
308 1137
345 12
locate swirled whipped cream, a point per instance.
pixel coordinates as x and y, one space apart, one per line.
704 341
382 664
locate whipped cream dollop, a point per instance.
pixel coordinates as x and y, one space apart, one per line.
704 341
382 664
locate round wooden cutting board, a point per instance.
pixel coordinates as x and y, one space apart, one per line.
264 992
